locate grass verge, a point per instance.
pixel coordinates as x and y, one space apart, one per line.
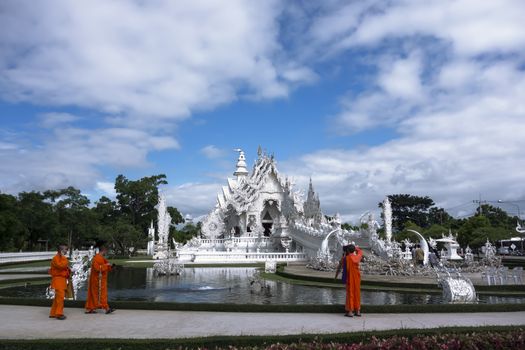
275 308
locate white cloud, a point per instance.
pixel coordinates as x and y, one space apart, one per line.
402 78
106 188
447 75
141 60
51 120
196 199
212 152
473 27
449 80
458 144
73 156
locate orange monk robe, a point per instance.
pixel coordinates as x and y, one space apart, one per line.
97 297
353 281
59 272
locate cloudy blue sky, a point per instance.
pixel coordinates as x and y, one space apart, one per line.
365 97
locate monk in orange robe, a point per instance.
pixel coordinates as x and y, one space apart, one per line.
353 281
59 272
97 297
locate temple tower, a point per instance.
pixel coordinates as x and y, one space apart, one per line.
241 171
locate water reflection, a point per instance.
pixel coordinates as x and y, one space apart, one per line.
231 285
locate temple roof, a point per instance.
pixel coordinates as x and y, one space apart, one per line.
243 191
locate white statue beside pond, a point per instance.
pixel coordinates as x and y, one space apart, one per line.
163 225
151 240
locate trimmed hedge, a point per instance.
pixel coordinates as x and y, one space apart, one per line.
245 341
288 308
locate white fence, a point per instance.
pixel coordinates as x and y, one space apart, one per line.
233 240
238 257
25 256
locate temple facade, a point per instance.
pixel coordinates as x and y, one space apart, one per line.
258 214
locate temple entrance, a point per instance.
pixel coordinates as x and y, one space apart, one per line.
267 224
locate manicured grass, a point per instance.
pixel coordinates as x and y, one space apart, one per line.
301 341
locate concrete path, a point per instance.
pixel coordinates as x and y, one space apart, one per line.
28 322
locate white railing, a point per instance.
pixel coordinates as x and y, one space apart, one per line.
222 241
229 257
25 256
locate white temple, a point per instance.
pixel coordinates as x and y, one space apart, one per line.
259 217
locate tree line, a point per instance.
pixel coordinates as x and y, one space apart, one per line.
39 219
421 214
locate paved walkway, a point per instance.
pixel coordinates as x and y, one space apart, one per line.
28 322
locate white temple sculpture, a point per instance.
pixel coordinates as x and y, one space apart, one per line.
151 240
387 214
259 216
456 288
384 248
163 225
451 248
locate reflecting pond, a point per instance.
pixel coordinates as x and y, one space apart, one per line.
232 285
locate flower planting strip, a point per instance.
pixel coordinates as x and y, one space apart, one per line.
302 341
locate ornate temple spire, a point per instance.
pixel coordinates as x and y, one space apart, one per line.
241 170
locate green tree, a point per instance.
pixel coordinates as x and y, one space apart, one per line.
75 220
348 226
404 234
38 219
121 235
176 216
189 231
137 199
474 227
12 233
435 231
106 210
407 207
438 216
497 216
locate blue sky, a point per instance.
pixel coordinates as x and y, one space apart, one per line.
367 98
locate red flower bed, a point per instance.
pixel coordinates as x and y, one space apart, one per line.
447 341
